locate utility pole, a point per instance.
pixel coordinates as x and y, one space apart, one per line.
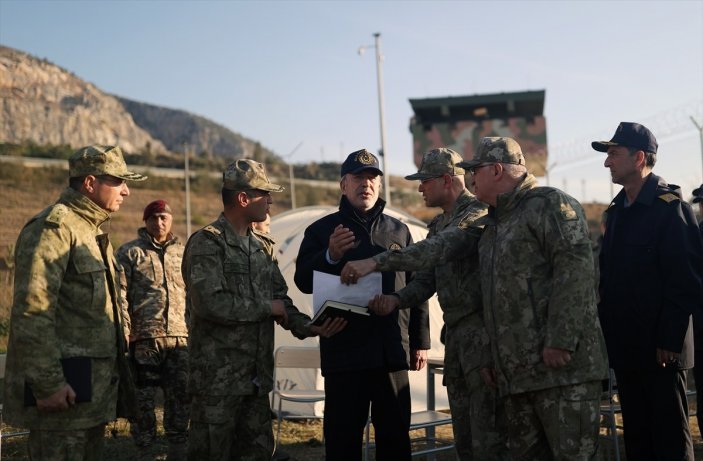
700 131
186 149
381 112
290 174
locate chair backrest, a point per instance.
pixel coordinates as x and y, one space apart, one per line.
297 357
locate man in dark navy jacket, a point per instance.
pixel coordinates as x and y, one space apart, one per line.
650 285
367 362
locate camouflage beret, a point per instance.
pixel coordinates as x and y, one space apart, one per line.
100 160
246 174
359 161
438 162
496 150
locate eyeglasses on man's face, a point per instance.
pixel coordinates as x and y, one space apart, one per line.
111 180
472 170
258 193
425 181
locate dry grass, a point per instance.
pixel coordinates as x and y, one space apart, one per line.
300 439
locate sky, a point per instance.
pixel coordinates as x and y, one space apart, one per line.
288 72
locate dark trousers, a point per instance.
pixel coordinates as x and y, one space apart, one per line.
698 377
655 414
347 399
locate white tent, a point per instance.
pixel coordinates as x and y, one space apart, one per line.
288 229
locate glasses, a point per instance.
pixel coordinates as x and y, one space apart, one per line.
472 170
111 180
425 181
258 193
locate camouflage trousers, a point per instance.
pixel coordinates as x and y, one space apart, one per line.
75 445
230 427
478 418
161 362
560 423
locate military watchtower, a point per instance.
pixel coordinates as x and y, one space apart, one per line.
458 122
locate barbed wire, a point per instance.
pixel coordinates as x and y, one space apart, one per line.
668 124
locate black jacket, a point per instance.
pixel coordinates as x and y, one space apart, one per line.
374 342
650 276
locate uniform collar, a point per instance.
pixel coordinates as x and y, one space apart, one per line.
508 201
246 244
84 207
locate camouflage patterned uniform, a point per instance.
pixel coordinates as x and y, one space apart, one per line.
231 281
155 305
62 309
479 430
537 281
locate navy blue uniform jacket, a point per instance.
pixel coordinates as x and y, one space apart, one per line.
367 343
650 277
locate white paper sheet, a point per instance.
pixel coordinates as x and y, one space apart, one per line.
328 286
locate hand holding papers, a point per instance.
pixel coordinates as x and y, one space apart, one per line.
356 270
342 299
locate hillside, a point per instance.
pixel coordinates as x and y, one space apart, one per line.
46 104
176 127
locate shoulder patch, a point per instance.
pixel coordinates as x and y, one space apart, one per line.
668 197
212 229
394 246
56 215
567 212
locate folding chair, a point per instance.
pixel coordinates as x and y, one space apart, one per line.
295 357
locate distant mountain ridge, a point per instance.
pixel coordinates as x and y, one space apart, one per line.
175 127
46 104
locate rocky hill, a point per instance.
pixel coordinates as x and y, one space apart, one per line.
176 127
46 104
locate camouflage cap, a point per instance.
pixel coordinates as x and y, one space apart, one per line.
495 150
246 174
100 160
438 162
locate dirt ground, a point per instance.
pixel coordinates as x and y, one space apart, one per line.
301 440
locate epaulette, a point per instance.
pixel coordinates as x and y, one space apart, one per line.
56 215
668 197
212 229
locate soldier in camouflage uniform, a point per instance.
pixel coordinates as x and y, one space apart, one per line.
61 378
539 308
154 312
234 293
478 424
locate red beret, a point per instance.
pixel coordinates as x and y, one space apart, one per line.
157 206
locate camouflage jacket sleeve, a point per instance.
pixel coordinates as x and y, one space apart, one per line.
125 275
419 322
42 258
298 323
419 290
448 245
218 283
565 238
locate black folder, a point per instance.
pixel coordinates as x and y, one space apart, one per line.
78 372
